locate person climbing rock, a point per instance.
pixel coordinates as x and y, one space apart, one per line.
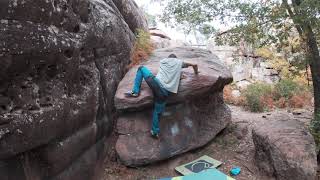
165 82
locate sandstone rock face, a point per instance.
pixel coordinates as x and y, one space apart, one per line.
60 64
159 33
132 14
285 149
160 40
192 118
244 65
213 76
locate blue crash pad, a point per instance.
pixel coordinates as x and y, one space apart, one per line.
209 174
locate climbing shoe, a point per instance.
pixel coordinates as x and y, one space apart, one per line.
154 135
131 94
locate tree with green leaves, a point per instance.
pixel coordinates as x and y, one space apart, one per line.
260 23
151 19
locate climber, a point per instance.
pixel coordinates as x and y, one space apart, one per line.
166 82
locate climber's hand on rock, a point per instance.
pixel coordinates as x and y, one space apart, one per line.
183 76
195 69
194 66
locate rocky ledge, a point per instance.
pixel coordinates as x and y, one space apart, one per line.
212 78
192 118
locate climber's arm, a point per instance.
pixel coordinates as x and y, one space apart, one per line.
194 66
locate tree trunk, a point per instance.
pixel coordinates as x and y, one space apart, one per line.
312 54
314 61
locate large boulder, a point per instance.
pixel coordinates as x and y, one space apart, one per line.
213 77
192 118
285 149
60 64
160 40
132 14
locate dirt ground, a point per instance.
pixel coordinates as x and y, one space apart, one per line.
233 147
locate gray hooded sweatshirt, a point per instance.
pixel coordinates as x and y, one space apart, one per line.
169 73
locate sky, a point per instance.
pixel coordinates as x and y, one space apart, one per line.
155 8
141 2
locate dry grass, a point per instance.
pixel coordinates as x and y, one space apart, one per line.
230 99
300 100
282 103
256 100
267 102
142 49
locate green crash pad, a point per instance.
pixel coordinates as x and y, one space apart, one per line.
198 165
209 174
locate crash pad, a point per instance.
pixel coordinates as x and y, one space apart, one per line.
198 165
209 174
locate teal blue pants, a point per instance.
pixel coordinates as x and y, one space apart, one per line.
160 94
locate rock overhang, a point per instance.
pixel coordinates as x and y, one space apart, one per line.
213 77
192 117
